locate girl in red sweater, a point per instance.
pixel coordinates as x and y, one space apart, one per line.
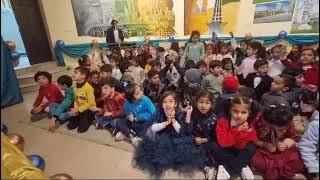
308 64
235 147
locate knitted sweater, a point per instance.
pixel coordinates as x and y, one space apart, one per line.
51 93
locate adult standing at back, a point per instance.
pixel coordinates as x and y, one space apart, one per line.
114 34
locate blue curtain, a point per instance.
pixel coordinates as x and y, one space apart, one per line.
78 50
10 91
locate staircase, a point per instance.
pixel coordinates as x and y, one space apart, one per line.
25 76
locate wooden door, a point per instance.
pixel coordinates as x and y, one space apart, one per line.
33 33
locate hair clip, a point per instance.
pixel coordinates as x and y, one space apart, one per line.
283 105
273 106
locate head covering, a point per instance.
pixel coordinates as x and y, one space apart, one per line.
193 75
230 84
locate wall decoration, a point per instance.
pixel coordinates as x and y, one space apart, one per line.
306 17
277 11
262 1
135 17
209 16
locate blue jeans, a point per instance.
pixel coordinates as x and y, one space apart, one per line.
63 116
104 120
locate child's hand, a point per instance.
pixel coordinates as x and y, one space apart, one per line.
189 109
244 126
270 147
281 146
73 112
37 109
131 118
107 113
52 126
95 109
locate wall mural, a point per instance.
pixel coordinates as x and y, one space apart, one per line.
273 11
306 17
135 17
209 16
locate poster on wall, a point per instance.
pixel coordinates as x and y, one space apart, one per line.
207 16
262 1
306 17
273 11
135 17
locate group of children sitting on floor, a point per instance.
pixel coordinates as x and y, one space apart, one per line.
210 106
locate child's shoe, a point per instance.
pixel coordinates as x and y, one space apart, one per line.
222 173
120 136
246 173
135 141
39 116
209 173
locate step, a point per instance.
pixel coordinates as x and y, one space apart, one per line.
36 67
33 86
29 77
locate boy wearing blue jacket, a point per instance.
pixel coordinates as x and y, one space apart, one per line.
139 111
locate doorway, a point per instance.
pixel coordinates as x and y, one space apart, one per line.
33 33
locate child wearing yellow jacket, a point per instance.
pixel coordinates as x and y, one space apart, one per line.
84 100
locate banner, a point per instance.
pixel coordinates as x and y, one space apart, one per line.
306 17
209 16
135 17
275 11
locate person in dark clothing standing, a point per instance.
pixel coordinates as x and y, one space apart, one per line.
114 34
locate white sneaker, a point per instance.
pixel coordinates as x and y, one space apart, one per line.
211 174
120 137
222 173
136 141
246 173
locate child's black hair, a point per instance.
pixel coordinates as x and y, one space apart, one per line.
201 63
152 73
309 97
190 64
215 63
160 49
92 73
278 115
288 80
83 70
130 89
226 61
193 33
293 72
167 94
82 60
247 91
261 51
253 105
207 94
65 80
106 68
43 73
110 82
260 63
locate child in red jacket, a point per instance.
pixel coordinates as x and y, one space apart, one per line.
235 139
308 64
48 93
277 156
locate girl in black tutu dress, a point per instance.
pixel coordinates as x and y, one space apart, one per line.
168 143
202 124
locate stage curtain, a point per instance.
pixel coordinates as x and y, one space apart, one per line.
10 91
78 50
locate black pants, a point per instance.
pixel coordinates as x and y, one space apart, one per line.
232 159
82 121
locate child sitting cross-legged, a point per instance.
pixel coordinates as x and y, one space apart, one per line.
59 112
152 86
48 94
112 109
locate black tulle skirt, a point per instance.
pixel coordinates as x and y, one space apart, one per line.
164 152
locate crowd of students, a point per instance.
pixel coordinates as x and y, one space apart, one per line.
206 106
